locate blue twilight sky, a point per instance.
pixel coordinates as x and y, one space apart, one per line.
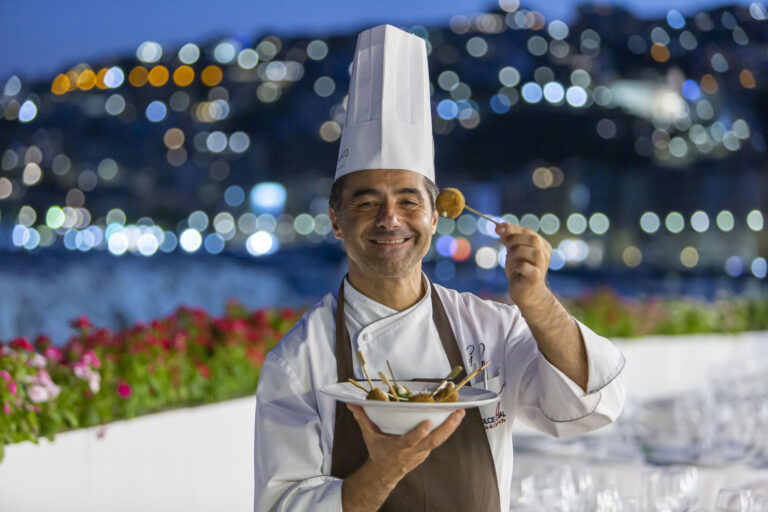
39 38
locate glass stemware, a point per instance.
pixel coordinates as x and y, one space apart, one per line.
674 489
732 500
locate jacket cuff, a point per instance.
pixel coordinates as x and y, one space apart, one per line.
563 399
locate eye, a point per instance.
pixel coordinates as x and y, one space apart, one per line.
365 205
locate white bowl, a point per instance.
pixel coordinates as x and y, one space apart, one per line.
401 417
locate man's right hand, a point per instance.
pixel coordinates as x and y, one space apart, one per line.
390 458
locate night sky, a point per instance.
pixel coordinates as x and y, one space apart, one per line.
40 38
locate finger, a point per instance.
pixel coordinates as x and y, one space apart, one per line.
528 270
414 436
505 228
526 253
444 431
513 240
363 420
502 228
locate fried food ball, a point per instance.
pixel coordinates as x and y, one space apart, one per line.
377 394
422 397
447 394
450 203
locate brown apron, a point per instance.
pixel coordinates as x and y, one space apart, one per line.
458 475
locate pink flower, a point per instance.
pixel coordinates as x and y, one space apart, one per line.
6 408
11 384
37 361
81 370
94 382
53 353
38 394
42 387
124 389
44 379
91 359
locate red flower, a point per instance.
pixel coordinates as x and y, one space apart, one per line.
255 355
204 370
286 314
260 318
21 344
81 322
238 325
180 341
42 342
124 389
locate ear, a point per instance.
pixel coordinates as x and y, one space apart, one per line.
335 224
434 221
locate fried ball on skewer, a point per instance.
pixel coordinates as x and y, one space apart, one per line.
377 394
450 203
447 394
422 397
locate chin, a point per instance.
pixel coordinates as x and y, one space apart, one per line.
393 270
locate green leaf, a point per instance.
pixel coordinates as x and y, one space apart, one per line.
71 418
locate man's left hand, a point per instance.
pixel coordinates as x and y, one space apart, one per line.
528 256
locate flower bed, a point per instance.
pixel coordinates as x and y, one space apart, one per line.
607 313
191 358
100 376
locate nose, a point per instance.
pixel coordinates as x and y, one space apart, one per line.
387 217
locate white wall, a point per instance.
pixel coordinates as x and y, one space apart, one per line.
200 459
195 459
669 365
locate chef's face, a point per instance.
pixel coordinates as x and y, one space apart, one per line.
387 220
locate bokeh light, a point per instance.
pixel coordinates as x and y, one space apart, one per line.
190 240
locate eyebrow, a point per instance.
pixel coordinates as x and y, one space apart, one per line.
375 192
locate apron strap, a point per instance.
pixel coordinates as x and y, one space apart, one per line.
450 345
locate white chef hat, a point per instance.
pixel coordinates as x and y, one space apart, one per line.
389 123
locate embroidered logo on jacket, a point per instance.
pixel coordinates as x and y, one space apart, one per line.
495 420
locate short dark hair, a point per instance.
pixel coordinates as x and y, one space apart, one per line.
334 200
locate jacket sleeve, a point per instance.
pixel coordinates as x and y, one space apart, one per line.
288 457
550 401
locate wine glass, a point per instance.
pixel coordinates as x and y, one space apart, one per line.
758 501
673 489
608 500
732 500
554 489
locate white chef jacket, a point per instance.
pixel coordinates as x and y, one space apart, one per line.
295 422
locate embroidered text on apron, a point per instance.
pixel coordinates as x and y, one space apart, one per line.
458 475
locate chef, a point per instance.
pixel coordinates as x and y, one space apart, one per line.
552 372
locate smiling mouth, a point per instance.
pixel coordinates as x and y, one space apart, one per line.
396 241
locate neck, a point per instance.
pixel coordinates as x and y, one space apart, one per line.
398 293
